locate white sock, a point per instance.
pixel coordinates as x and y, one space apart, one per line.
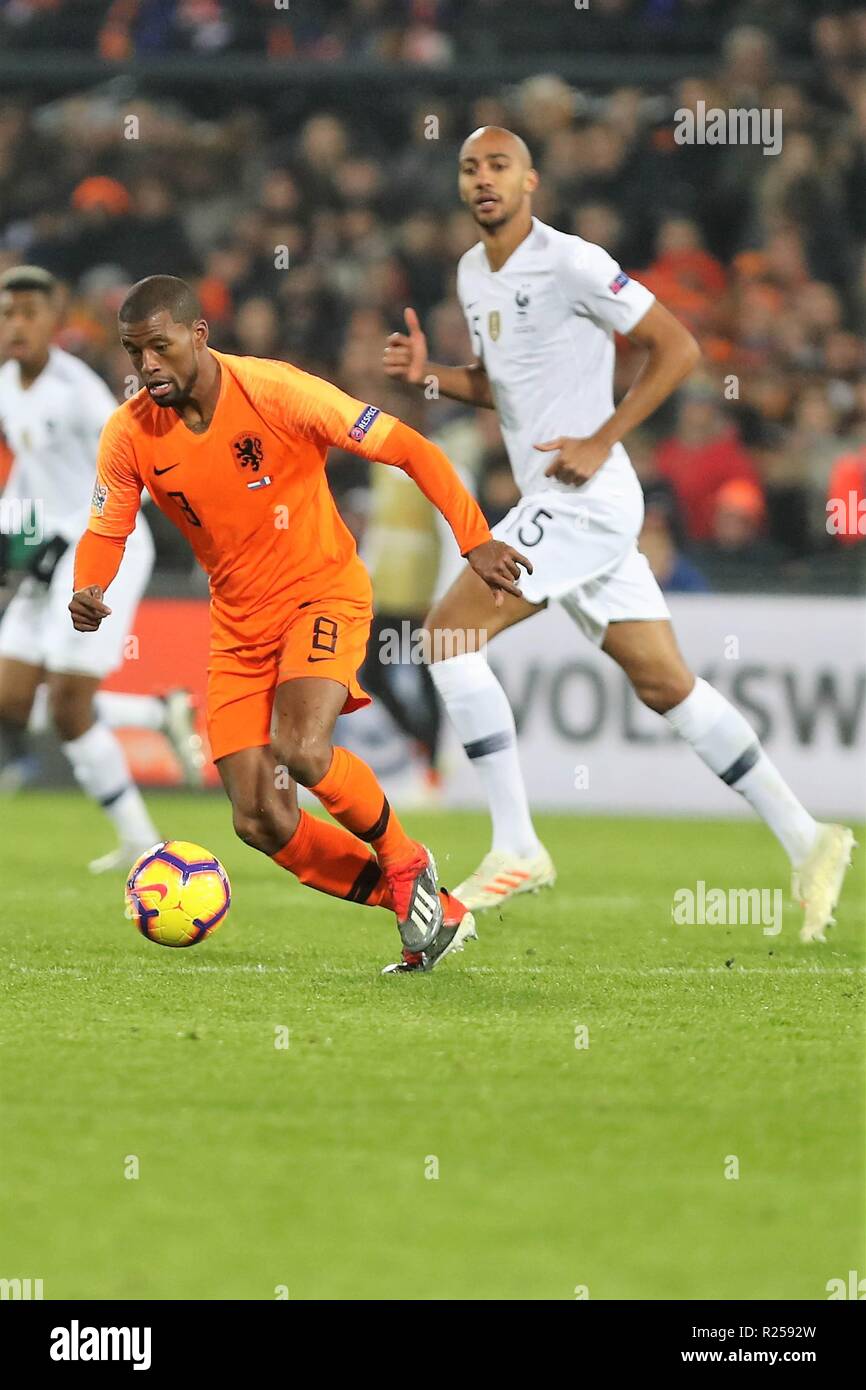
101 770
482 716
727 743
113 708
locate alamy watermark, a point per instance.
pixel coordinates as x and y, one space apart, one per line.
852 1287
732 907
415 646
21 1289
846 516
737 126
23 516
77 1343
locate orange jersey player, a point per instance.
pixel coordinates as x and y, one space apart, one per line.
233 450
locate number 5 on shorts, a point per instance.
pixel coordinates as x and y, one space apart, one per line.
529 542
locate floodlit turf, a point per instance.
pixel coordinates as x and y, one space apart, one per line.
558 1166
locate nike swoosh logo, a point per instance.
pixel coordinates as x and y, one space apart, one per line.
159 888
319 658
159 471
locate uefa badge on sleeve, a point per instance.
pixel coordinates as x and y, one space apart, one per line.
99 498
363 423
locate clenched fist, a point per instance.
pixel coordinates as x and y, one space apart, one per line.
87 609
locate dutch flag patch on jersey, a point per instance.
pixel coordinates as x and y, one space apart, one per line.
363 423
618 283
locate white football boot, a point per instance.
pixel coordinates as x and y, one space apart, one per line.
817 882
118 860
180 730
501 876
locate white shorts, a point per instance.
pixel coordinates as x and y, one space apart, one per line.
584 555
37 628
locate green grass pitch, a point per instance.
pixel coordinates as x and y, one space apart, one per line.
309 1168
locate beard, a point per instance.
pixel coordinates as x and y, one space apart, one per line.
179 394
499 219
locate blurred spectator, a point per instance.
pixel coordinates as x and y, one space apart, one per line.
738 516
703 453
738 553
674 571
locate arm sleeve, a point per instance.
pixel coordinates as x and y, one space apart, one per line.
335 419
113 508
437 478
97 560
332 419
599 289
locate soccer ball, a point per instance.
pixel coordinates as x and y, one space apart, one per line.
177 893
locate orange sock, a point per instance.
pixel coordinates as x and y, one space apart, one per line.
351 793
328 858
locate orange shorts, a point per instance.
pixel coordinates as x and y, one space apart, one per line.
325 638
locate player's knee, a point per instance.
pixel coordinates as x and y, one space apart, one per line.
662 690
305 755
265 828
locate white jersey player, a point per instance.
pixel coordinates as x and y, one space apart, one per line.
542 308
52 410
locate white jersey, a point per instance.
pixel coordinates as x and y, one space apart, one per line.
53 428
543 327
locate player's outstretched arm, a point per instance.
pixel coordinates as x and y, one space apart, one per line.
113 512
495 562
672 353
97 560
405 358
321 411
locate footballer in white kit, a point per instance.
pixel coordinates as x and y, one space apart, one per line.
52 410
543 327
542 308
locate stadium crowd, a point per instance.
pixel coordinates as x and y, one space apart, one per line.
415 31
307 236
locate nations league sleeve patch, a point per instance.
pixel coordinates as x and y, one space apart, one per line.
618 283
99 498
363 423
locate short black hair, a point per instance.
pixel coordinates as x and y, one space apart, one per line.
28 277
158 292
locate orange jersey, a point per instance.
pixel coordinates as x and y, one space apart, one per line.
250 492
